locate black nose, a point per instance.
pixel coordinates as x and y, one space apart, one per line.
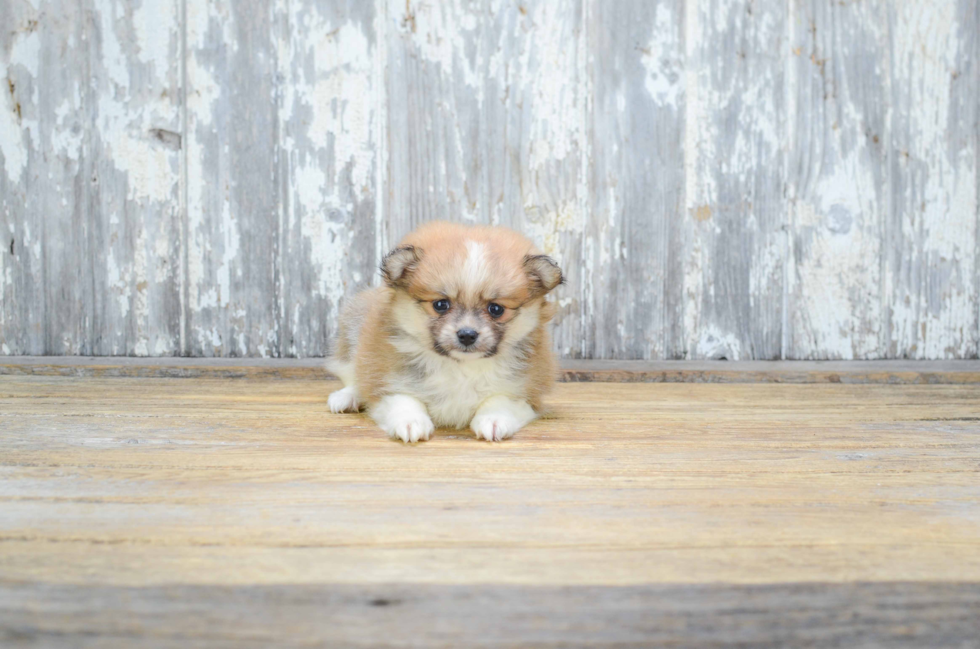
467 336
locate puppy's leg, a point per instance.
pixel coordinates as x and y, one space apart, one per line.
344 400
500 417
403 417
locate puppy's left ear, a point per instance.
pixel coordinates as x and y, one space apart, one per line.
543 273
399 264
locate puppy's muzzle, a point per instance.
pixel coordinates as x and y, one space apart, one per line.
467 337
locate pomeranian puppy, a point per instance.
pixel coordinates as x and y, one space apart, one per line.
455 337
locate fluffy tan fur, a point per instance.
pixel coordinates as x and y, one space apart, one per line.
392 341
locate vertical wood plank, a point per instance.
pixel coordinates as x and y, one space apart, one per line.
637 180
329 112
718 178
535 140
26 69
434 90
91 146
135 183
931 236
486 124
234 189
735 160
837 178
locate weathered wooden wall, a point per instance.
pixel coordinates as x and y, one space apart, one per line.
719 178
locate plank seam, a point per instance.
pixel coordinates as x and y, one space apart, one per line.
794 372
182 272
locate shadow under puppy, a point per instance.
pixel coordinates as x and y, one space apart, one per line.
456 336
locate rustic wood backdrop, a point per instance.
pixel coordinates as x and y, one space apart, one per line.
719 178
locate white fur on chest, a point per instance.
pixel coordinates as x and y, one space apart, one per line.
452 390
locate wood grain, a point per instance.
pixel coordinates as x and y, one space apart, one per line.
573 371
734 160
233 193
838 179
911 615
718 178
329 114
733 511
486 108
885 150
89 180
635 244
932 278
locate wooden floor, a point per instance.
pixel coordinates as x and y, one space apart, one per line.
241 513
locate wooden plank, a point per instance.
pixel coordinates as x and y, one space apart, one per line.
90 123
156 511
932 286
848 372
838 180
486 124
828 154
330 107
735 121
635 246
23 296
577 371
234 188
909 615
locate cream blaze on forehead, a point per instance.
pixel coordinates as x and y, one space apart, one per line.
476 271
470 264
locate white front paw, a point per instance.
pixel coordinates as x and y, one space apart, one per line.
344 400
495 427
404 418
416 429
500 417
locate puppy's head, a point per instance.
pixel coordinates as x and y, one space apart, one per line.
468 292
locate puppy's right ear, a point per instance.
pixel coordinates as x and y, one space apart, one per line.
544 274
399 264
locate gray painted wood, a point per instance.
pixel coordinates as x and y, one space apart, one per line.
931 272
486 124
89 142
890 372
736 214
880 615
636 233
329 112
232 247
838 179
884 180
738 179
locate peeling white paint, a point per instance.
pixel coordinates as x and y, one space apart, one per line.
114 60
664 67
715 344
440 31
67 138
118 280
25 51
546 68
203 93
154 41
937 176
885 229
340 95
229 256
139 291
12 146
25 55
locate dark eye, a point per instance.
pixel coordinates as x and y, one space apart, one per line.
495 310
441 306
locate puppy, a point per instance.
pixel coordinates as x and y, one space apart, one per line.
455 337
